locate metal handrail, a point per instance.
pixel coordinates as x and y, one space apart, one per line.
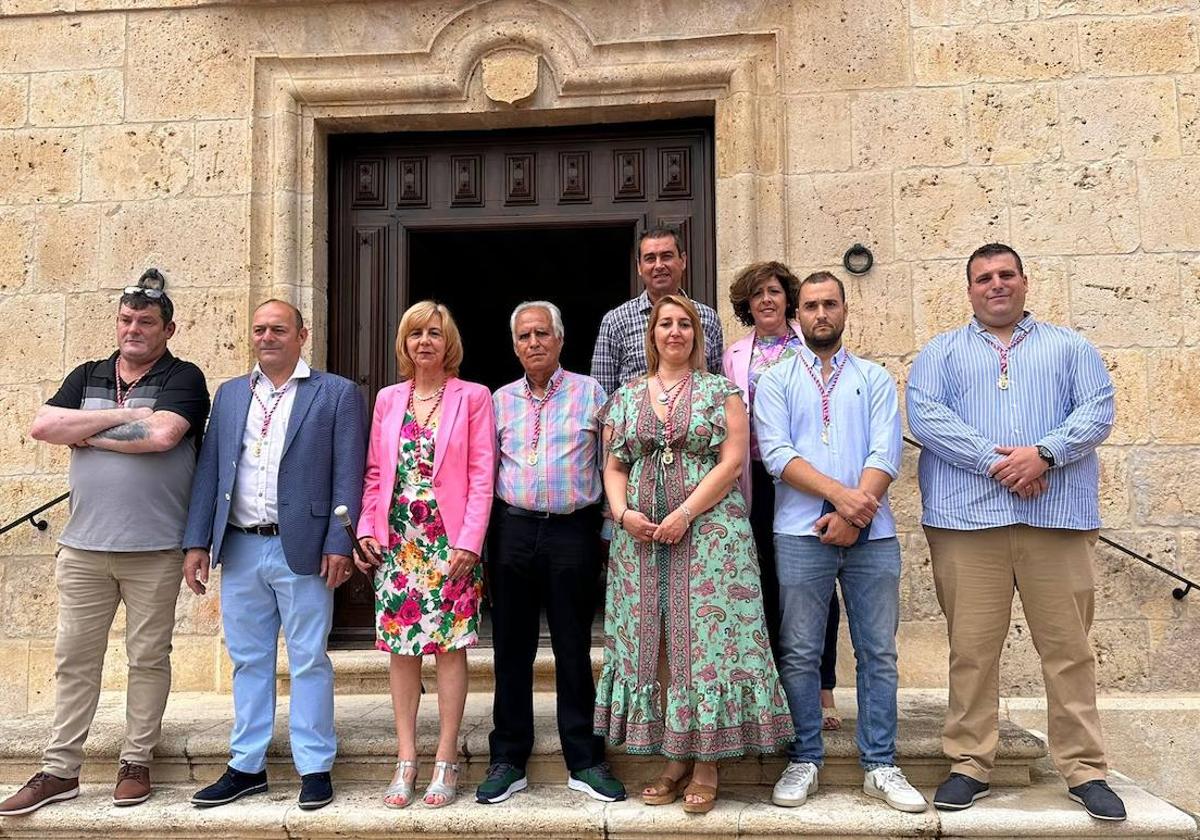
40 524
1178 593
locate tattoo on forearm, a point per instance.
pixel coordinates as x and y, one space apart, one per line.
136 430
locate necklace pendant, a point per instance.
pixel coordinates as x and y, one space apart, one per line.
1002 382
668 457
825 436
662 397
257 448
532 459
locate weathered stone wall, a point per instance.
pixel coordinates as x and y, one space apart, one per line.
189 135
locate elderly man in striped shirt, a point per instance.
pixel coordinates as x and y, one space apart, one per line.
1010 411
545 552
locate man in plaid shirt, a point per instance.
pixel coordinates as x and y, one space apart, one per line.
544 552
620 353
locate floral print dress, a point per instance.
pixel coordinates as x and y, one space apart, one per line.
701 597
418 609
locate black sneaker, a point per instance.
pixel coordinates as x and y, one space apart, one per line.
233 785
503 780
1098 799
959 792
598 782
316 791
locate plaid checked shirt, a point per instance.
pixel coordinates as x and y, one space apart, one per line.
620 353
567 474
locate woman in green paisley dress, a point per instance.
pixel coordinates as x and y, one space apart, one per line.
684 606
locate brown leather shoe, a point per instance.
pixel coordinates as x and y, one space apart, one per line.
133 784
41 790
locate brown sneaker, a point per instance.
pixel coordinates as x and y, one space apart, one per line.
133 784
41 790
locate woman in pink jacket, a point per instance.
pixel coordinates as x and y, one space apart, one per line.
427 497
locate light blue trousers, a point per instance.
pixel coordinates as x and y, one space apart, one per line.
260 594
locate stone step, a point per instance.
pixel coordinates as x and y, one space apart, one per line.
195 743
551 811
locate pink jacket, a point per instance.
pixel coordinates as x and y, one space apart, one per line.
463 462
735 364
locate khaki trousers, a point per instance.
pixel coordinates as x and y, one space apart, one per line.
976 573
90 585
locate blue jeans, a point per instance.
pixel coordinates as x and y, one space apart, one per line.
870 580
259 594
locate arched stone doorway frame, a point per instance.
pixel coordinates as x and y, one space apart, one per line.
300 101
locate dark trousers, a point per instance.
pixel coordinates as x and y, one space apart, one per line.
762 522
552 563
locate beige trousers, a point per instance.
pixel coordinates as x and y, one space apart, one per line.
976 573
90 585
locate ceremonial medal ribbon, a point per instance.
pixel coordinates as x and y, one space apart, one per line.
1002 382
532 458
268 411
826 396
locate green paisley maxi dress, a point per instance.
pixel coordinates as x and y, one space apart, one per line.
724 698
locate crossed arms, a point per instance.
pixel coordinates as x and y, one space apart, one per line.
127 430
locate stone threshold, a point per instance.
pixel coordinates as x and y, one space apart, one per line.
551 811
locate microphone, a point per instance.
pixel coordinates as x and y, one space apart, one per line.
343 516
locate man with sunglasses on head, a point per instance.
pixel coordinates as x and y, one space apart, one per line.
133 422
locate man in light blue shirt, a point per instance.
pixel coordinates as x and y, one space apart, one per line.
1010 411
828 428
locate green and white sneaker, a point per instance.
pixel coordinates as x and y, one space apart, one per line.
598 782
503 780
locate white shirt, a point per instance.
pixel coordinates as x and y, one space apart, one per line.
255 487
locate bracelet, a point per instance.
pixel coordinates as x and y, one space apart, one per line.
621 518
687 513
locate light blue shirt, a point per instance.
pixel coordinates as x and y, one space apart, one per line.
864 431
1059 396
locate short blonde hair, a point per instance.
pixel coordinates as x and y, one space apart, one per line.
696 360
419 315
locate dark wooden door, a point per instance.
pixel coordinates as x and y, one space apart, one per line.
484 220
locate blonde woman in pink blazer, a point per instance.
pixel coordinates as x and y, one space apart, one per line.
765 296
427 496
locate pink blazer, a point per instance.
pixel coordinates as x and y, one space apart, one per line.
463 462
735 364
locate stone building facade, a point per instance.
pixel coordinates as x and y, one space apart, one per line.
193 135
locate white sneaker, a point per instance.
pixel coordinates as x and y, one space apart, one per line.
798 780
889 784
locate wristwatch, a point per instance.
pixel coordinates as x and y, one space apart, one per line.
1046 455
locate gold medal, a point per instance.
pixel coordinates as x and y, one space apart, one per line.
531 459
668 457
1002 382
825 436
257 448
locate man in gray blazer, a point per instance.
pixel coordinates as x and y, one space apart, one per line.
285 446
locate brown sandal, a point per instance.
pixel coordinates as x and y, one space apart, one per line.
666 790
707 795
830 719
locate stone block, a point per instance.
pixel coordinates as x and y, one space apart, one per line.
1189 287
1189 113
958 12
818 133
20 494
196 242
918 595
213 331
1020 668
1175 410
67 244
14 676
1122 651
1059 8
1173 662
14 96
904 496
879 307
1170 204
1119 118
222 158
830 49
1060 208
1128 371
39 166
1115 506
1009 124
16 248
129 162
949 213
749 203
1128 589
37 319
750 126
1012 52
59 42
18 404
30 598
1138 46
1164 492
209 71
829 213
91 326
1127 300
77 97
41 675
940 300
200 616
194 663
923 651
895 129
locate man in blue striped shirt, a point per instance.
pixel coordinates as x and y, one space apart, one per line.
1010 411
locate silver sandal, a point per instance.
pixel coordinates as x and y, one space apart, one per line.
400 788
438 786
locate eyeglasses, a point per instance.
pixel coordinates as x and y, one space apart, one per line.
153 294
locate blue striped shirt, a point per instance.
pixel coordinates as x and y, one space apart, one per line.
1059 396
864 431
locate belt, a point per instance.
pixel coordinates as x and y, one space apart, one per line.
513 510
258 530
